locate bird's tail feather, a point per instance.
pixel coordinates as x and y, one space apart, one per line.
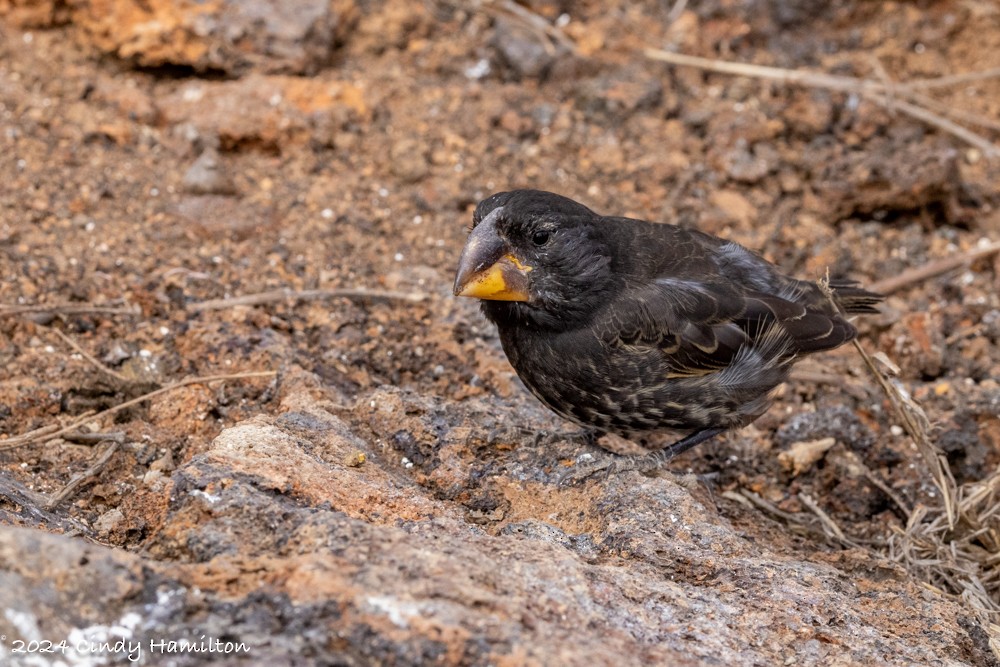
855 299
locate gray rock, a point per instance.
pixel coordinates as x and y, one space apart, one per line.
230 36
272 547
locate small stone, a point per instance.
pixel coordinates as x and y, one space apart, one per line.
522 51
163 464
108 522
745 166
621 91
207 176
409 160
152 477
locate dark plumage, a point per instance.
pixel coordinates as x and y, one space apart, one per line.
632 327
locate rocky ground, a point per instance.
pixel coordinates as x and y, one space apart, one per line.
383 490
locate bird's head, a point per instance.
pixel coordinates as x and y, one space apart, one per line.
536 258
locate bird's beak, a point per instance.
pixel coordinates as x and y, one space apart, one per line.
487 268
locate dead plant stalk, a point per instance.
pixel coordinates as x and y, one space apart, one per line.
902 97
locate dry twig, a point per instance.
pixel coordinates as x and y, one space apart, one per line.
850 386
871 476
86 355
7 310
934 268
676 11
817 377
80 479
746 495
535 22
988 149
801 522
778 74
964 332
84 438
952 79
273 296
24 438
958 114
830 526
886 93
47 434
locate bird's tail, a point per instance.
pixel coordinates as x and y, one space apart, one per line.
854 299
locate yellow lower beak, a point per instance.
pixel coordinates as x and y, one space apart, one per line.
488 269
504 280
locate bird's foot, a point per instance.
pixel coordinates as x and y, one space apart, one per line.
586 435
588 466
643 463
613 464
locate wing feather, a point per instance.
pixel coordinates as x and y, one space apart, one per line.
702 327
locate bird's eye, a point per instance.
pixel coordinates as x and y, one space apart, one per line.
540 237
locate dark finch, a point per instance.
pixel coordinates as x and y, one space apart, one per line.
632 327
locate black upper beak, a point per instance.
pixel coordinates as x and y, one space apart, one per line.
488 269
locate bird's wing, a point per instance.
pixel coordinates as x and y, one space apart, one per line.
702 326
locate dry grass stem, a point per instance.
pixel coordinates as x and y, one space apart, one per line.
758 502
830 526
82 478
274 296
914 421
880 484
535 22
18 440
849 386
802 523
64 309
84 438
952 79
934 268
988 149
894 96
958 114
778 74
48 433
954 545
676 11
90 358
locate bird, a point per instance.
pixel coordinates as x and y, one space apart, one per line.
633 329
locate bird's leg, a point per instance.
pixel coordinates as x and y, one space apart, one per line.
642 463
689 441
